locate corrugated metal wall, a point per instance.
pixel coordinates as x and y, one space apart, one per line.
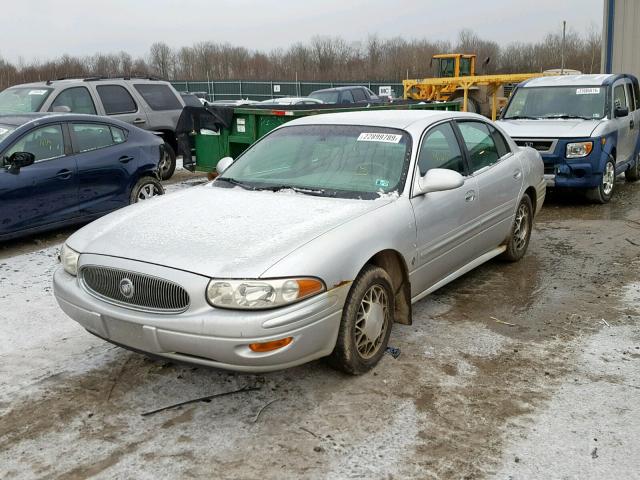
621 36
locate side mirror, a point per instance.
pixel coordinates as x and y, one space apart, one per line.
20 160
223 164
621 112
62 109
439 180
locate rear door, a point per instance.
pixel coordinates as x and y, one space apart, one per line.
498 172
634 118
107 164
119 103
45 192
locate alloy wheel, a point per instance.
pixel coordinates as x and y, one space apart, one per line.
521 227
148 191
608 179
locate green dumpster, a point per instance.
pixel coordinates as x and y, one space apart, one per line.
249 124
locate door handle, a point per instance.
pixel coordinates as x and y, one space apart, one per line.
470 196
138 121
64 174
125 159
517 174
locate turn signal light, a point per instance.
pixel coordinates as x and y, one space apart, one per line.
270 346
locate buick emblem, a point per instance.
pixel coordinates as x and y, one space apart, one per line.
528 144
126 288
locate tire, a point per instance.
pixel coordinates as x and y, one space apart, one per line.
167 163
364 316
472 104
603 192
520 231
633 174
145 188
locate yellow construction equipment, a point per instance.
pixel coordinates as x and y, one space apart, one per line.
457 81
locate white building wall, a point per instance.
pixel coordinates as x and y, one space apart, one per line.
625 37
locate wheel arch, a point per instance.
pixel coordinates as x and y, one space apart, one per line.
393 263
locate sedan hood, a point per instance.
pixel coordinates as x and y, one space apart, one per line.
218 232
549 128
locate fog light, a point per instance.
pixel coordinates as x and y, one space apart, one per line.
270 346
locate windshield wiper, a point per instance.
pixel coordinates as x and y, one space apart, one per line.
305 190
233 181
521 117
567 116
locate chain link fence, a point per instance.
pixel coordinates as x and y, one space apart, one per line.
237 89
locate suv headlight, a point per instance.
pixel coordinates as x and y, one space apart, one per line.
261 294
579 149
69 260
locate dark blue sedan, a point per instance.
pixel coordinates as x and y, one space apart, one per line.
60 169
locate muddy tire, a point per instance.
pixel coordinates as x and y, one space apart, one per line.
366 323
520 231
603 192
145 188
633 174
167 163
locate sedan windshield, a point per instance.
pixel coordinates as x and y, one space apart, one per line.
557 102
5 130
23 99
327 160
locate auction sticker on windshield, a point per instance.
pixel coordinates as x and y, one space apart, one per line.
37 92
379 137
587 91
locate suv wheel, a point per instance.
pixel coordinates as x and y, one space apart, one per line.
167 163
145 188
603 192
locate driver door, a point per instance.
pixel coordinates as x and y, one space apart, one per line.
45 192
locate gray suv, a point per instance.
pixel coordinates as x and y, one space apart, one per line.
144 102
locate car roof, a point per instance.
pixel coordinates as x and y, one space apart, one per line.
572 80
85 80
338 89
400 119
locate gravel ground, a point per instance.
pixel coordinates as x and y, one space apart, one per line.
515 371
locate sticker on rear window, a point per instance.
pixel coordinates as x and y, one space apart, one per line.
379 137
587 91
37 92
381 182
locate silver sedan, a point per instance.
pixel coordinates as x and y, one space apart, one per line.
311 244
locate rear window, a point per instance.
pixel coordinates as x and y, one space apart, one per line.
158 96
116 100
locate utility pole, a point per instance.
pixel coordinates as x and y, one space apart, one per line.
564 31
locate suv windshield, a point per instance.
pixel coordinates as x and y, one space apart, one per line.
557 102
326 97
23 99
328 160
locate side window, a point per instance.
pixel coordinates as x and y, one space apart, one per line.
118 135
632 101
78 99
116 99
480 144
91 136
636 91
440 149
619 98
501 143
347 97
358 95
158 96
44 143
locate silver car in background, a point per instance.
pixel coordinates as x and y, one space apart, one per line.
310 244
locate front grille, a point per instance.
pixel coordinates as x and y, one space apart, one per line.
540 145
148 293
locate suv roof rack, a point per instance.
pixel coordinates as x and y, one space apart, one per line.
97 78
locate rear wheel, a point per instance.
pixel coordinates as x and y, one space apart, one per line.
146 188
367 318
520 231
633 174
167 163
603 192
472 104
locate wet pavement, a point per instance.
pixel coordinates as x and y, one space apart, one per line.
525 370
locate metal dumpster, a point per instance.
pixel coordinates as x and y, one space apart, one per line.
239 127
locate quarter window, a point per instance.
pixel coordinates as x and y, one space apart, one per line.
91 136
480 144
158 97
44 143
501 143
116 99
119 135
78 99
440 149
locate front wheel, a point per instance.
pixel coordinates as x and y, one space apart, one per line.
633 174
145 188
603 192
520 231
366 323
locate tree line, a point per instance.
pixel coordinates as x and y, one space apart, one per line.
321 59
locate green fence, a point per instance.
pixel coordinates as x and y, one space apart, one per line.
237 89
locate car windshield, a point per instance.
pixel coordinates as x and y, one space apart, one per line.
23 99
326 97
5 131
327 160
557 102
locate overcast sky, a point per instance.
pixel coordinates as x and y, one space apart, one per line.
42 29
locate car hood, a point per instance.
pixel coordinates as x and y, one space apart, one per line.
549 128
219 232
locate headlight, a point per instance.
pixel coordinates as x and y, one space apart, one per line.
69 260
578 150
260 294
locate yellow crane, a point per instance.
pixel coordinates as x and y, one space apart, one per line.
456 80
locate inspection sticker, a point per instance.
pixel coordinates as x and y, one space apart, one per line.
587 91
381 182
3 131
37 92
379 137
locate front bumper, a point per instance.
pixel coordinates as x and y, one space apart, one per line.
204 335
